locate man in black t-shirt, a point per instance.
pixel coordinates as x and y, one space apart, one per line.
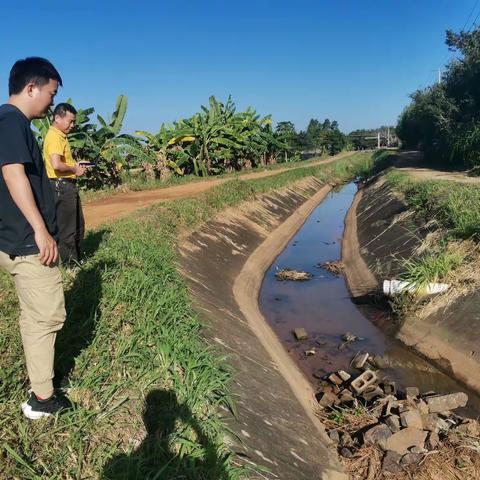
28 229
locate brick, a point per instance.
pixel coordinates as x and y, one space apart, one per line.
363 381
326 399
372 392
389 388
334 378
345 376
360 360
300 334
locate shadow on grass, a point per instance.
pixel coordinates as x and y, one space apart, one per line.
82 300
164 417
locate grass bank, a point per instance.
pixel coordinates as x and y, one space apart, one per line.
452 211
150 392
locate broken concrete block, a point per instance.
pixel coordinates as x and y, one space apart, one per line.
372 392
359 360
393 423
390 402
409 437
377 435
300 334
345 376
326 399
411 418
389 388
444 403
363 381
391 463
411 459
346 396
310 352
334 378
433 423
412 392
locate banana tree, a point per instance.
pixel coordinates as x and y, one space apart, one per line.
162 153
215 136
104 146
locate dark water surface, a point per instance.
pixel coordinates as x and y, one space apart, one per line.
324 308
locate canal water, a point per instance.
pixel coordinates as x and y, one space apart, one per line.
323 306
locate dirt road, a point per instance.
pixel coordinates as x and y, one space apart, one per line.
117 206
412 163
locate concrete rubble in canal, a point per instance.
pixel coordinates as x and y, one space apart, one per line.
404 426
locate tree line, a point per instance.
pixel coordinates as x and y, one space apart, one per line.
443 120
216 139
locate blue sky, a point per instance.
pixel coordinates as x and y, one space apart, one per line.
355 61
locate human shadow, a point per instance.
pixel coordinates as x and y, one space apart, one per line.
92 241
168 424
82 300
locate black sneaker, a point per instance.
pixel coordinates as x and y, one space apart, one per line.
34 408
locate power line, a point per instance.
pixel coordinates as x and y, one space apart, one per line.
476 18
473 9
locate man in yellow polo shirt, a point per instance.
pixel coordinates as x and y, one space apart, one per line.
62 170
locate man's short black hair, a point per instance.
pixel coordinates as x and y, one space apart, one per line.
32 69
62 108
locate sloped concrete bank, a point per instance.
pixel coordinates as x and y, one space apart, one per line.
379 231
224 263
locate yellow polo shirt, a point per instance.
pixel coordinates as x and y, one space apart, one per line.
57 142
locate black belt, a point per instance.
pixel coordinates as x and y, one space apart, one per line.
64 180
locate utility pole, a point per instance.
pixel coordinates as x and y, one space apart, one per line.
378 139
439 75
388 136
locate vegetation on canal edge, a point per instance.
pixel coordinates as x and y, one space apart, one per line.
451 250
150 392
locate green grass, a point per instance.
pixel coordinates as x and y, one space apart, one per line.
456 206
148 388
431 267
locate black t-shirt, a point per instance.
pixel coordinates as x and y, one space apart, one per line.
18 145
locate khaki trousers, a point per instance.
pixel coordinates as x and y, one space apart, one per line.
42 314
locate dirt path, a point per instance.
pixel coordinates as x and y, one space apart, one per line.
117 206
412 163
429 174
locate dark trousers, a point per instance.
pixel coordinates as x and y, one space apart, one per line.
70 221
